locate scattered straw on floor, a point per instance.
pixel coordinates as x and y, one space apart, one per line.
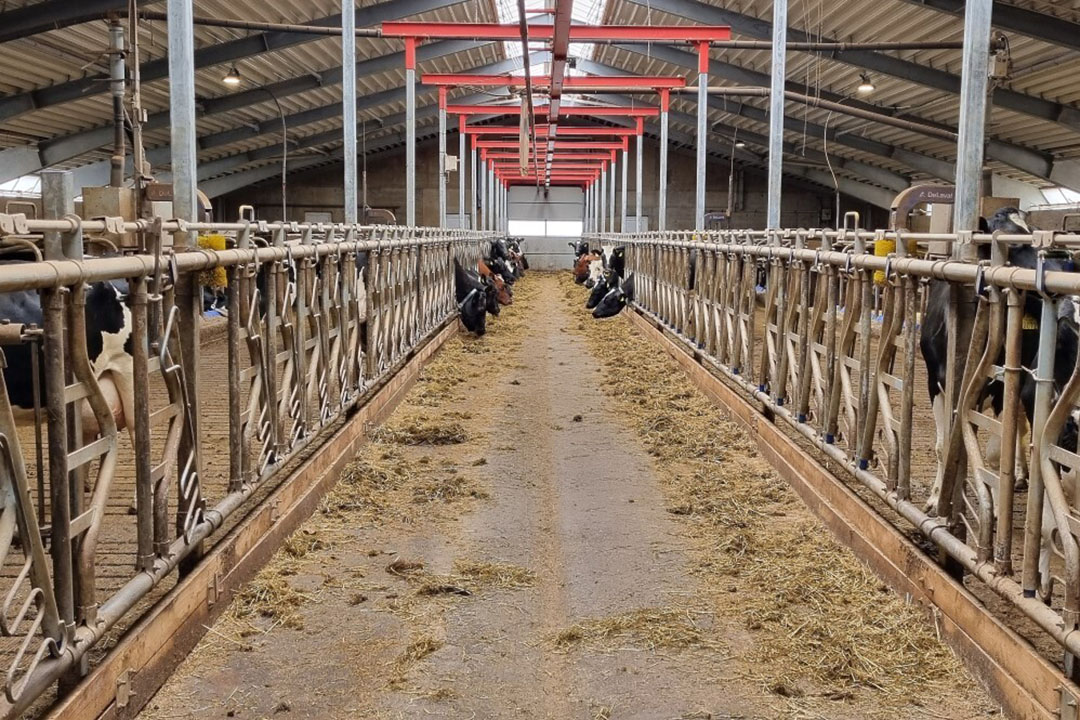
821 621
648 628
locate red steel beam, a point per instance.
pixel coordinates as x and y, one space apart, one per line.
575 110
574 82
555 168
543 130
560 51
572 156
559 145
577 33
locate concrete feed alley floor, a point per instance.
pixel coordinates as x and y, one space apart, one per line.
555 524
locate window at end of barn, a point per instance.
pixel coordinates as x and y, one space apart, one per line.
1061 196
25 186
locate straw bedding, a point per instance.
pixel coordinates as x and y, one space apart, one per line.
821 622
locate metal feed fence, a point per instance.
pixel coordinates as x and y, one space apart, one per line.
317 317
825 333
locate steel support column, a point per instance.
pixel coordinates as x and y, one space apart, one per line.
588 208
974 86
611 192
603 200
483 192
474 171
442 157
625 162
461 172
702 134
776 113
639 171
348 104
665 110
185 207
410 131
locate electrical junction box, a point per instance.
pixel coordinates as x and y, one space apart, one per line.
451 163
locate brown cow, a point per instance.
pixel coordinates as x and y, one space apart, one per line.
583 267
502 292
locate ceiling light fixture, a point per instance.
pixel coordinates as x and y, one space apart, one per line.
740 144
865 86
233 78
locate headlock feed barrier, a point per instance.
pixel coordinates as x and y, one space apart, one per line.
318 315
797 321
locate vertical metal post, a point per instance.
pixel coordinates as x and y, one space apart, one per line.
116 86
587 196
348 104
483 191
489 197
185 207
442 156
665 106
57 200
473 175
639 171
702 133
410 132
182 112
776 113
625 163
603 199
611 189
973 93
461 172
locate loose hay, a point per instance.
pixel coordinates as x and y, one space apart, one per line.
495 575
821 621
421 430
648 628
269 596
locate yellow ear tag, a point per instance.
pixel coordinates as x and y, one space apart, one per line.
1030 323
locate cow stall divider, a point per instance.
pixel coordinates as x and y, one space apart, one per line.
787 318
318 315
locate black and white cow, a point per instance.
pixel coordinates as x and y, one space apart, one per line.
608 282
471 292
109 346
933 341
615 299
580 248
614 257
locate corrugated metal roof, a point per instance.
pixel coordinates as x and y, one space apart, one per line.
1040 69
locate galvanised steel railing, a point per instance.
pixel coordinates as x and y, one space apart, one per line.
318 315
825 332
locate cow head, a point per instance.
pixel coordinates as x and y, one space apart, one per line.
581 267
473 310
615 299
501 292
580 248
600 289
1008 220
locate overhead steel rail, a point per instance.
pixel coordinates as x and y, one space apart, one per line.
574 110
584 83
693 34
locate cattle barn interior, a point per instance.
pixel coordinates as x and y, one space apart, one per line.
590 359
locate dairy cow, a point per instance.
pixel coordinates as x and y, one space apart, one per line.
933 341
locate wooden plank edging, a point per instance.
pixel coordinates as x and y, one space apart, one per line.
1024 683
